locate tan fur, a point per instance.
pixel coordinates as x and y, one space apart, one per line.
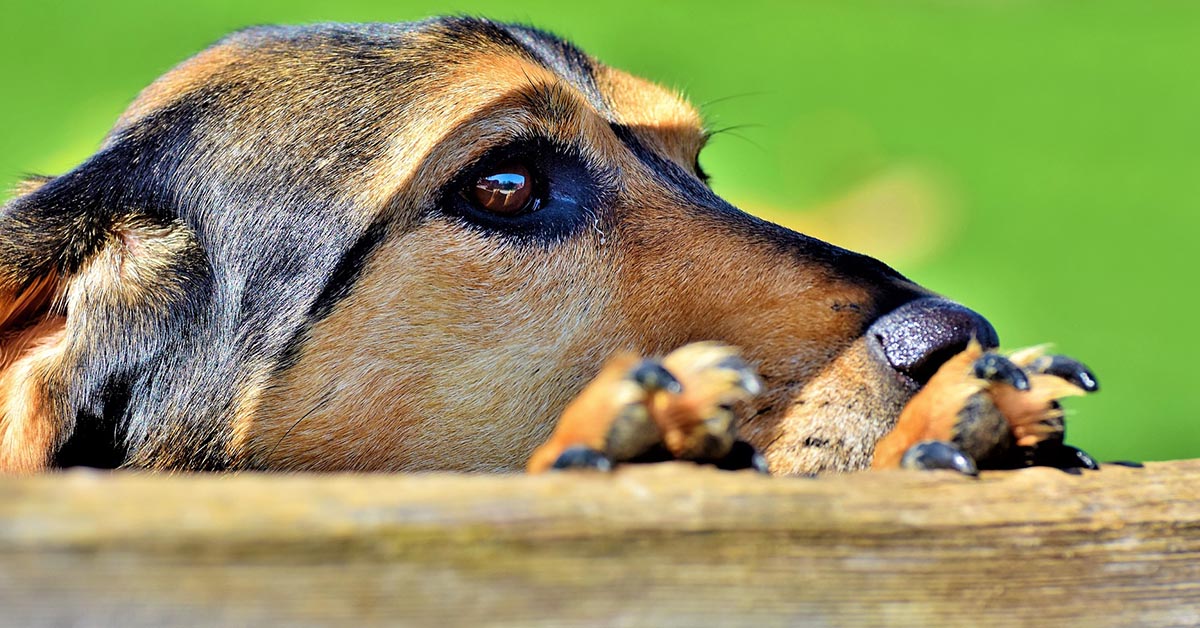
276 428
29 427
19 307
933 414
436 343
133 270
439 350
1028 412
664 117
31 334
1031 413
187 76
486 102
688 420
799 324
456 345
456 349
30 185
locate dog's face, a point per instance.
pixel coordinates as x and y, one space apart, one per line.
408 247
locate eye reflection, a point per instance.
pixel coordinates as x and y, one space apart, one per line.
508 190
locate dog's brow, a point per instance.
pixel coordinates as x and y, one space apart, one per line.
662 116
565 60
554 111
553 102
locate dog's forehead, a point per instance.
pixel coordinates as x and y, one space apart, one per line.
412 55
659 115
626 99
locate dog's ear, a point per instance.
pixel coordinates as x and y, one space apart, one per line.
31 338
24 296
26 286
23 306
87 293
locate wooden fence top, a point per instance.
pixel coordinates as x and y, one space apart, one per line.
658 545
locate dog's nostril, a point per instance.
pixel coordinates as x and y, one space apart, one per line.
919 336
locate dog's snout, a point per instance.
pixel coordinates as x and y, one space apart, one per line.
919 336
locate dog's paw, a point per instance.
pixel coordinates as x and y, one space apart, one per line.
985 410
610 417
700 421
682 407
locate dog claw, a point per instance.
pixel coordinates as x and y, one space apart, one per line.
1001 412
582 458
747 379
742 456
1066 368
652 376
1061 456
935 454
994 367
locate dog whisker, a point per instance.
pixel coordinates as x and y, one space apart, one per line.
720 99
324 401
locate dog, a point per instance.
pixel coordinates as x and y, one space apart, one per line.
409 247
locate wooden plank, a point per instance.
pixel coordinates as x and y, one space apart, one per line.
658 545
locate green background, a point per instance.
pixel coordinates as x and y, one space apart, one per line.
1051 147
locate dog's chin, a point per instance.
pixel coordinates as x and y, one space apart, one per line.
827 417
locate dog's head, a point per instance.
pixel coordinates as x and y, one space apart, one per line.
409 246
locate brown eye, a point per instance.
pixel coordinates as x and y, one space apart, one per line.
507 190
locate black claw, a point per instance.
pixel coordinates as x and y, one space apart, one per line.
935 454
1071 370
1061 456
996 368
742 456
657 453
747 379
651 375
581 457
1086 461
1127 463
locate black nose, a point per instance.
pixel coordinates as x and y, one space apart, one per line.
919 336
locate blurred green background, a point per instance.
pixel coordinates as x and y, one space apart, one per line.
1039 161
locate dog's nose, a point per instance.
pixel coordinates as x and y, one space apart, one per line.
919 336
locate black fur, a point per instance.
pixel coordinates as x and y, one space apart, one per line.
347 270
276 241
277 245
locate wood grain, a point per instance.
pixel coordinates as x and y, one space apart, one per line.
648 546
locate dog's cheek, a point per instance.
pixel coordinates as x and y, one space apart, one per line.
455 350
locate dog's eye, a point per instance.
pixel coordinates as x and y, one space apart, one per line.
529 189
507 190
